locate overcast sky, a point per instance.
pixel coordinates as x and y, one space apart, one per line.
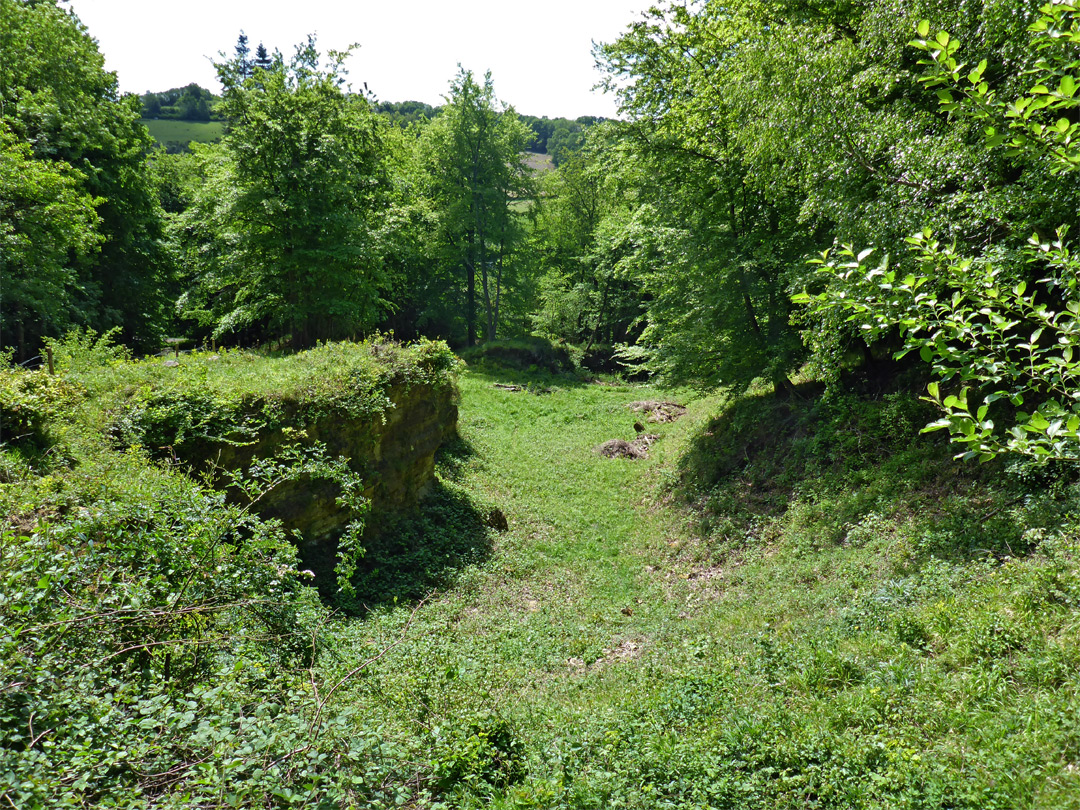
539 53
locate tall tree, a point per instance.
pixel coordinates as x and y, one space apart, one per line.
241 60
263 61
714 253
57 97
479 171
46 221
283 233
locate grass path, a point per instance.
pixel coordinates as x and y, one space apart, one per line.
574 599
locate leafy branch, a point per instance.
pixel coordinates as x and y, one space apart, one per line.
999 341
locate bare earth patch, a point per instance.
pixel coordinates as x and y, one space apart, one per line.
659 412
627 650
620 448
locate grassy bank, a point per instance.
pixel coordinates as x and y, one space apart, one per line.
787 605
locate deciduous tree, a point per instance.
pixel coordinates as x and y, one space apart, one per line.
58 98
478 172
290 201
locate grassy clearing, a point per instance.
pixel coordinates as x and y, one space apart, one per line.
787 605
648 634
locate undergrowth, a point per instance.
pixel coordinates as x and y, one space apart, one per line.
159 646
796 603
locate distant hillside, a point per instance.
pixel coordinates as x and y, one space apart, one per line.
539 163
176 135
183 114
190 103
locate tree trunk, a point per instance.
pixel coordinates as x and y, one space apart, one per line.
489 331
470 292
498 287
599 317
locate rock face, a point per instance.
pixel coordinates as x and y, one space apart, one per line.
393 451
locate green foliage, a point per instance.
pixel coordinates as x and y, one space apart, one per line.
160 647
587 293
479 755
527 354
84 350
29 402
477 170
48 225
980 326
1036 120
190 103
158 652
404 113
980 332
712 249
59 100
280 236
558 137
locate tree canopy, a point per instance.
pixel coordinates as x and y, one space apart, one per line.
58 99
289 200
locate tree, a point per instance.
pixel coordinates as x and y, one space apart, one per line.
585 298
283 231
241 60
48 224
263 61
713 253
57 97
478 173
1008 339
788 124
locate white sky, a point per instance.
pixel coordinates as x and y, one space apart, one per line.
539 53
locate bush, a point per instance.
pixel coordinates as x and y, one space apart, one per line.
29 402
526 354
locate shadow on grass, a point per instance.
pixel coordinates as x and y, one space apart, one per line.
453 457
412 555
816 468
537 381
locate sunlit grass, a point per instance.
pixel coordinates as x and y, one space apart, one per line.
642 664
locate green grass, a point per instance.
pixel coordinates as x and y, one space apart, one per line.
793 604
164 131
852 648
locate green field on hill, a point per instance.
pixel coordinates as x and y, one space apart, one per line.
165 132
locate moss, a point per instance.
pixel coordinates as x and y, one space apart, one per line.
383 407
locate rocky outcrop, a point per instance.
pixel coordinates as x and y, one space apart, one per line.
392 450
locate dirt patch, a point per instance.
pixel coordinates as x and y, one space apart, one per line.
628 649
659 412
27 523
703 575
620 448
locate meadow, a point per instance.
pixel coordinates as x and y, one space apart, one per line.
789 603
876 627
166 131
